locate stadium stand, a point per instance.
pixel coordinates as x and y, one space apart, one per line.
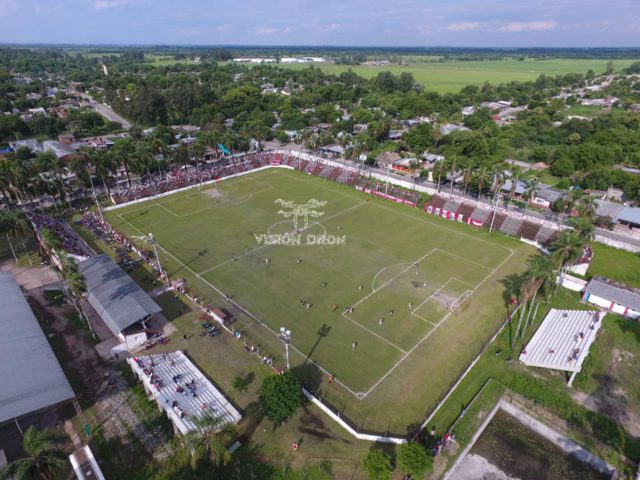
530 230
497 223
451 206
511 226
546 235
465 210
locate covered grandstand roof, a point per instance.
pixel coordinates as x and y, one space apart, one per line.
563 339
119 300
32 378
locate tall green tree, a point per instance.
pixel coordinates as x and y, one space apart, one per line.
377 465
413 459
280 397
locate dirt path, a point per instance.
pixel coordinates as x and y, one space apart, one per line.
101 385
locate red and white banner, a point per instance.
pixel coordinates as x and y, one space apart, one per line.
388 197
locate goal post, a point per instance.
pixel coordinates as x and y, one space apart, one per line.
455 304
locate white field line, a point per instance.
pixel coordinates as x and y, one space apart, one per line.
250 315
373 333
434 329
169 199
446 252
257 249
429 298
375 290
437 225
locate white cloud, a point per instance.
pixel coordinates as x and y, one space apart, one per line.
266 31
331 27
463 26
6 6
107 4
272 30
529 26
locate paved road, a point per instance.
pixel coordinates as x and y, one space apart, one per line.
601 233
107 112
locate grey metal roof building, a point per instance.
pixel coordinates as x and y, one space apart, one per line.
613 292
630 216
119 300
31 376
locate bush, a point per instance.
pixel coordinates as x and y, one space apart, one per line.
377 465
413 459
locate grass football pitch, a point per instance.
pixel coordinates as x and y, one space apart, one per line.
368 288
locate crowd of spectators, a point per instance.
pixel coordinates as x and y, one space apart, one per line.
70 242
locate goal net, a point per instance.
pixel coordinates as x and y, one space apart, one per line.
455 304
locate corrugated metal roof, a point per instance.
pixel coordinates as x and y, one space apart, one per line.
31 376
563 339
608 209
119 300
615 292
629 215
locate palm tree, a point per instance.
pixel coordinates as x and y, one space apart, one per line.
584 227
208 443
468 172
182 156
48 162
588 206
538 277
45 458
483 177
122 152
14 223
439 169
566 249
452 172
532 188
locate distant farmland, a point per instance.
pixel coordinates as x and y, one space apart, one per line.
452 76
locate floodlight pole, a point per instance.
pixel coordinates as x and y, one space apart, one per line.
285 337
386 185
495 208
152 240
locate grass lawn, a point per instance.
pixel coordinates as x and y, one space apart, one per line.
546 388
612 371
445 77
616 264
208 238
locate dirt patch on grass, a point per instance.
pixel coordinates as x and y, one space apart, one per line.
214 193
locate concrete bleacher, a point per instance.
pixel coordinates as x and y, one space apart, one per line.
319 167
157 373
530 230
451 206
497 222
437 202
511 226
335 173
344 176
326 171
563 339
480 214
546 235
465 210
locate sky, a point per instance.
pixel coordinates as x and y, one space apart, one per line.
478 23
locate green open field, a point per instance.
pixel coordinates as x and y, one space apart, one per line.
448 77
388 256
